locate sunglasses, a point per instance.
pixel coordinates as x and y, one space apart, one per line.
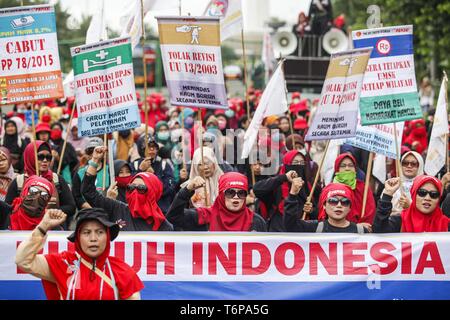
231 193
32 191
413 164
140 188
42 157
333 201
433 194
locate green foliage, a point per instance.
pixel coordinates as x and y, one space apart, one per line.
430 19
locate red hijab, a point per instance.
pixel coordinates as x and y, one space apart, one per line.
218 216
30 162
287 160
145 205
358 194
65 266
415 221
20 220
335 189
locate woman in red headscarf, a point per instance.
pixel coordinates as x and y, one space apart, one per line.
345 168
272 191
61 196
417 139
336 200
229 211
89 273
424 213
141 212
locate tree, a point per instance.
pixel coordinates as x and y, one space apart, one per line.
431 28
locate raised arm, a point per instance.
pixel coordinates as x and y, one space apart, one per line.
27 257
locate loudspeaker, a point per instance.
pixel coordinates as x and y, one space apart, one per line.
334 41
305 72
284 43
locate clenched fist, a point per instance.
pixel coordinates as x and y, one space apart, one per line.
195 183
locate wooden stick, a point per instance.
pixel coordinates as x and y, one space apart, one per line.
397 161
366 187
33 125
245 74
182 141
201 158
61 156
105 143
447 161
316 178
144 65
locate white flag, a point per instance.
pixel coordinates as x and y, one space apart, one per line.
95 33
437 149
132 20
230 13
273 102
379 167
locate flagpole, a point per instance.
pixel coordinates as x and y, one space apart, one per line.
246 93
33 125
317 177
447 160
397 161
366 187
105 143
144 65
245 74
61 156
202 172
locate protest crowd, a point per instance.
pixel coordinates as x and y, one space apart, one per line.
180 169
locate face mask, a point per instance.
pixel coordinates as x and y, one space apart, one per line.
229 113
122 182
188 122
276 137
56 134
300 169
212 128
46 118
222 124
295 100
163 136
346 177
34 205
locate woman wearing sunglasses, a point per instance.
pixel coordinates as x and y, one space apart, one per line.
228 212
424 213
345 168
337 201
141 212
26 211
411 166
61 196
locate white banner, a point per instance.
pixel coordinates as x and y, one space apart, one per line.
191 261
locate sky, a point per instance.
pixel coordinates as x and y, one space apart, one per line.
254 10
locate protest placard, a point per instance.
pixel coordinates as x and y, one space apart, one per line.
29 59
336 115
389 92
192 60
105 92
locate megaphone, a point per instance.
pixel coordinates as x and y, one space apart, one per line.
284 43
334 41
